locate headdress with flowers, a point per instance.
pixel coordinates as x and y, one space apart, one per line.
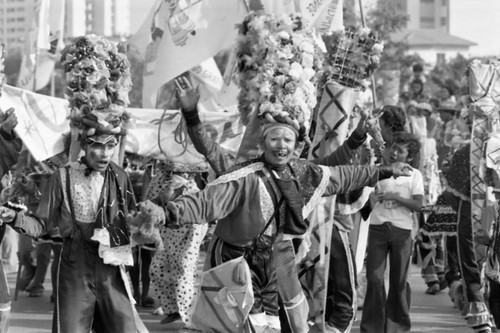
352 56
278 65
98 82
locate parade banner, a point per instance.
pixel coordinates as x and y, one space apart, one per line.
332 119
484 90
179 35
43 41
155 133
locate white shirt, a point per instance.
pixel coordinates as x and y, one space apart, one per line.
391 210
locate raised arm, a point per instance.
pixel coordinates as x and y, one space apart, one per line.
218 158
10 144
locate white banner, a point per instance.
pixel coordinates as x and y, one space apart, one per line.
181 34
157 133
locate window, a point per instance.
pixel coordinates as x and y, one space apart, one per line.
20 9
20 19
11 19
444 2
444 21
429 2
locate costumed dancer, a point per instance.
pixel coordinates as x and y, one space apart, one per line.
262 204
10 147
175 266
89 199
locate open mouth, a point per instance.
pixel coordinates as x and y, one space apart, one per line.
102 164
281 153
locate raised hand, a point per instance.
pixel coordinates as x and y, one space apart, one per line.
8 120
7 215
187 95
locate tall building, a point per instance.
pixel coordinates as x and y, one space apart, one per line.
101 17
15 18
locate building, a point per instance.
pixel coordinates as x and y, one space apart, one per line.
428 30
109 18
14 18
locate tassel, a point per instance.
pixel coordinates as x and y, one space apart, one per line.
239 275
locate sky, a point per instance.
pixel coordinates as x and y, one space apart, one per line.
477 21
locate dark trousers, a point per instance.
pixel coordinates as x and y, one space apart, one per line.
389 314
140 272
494 301
91 294
452 266
469 265
341 293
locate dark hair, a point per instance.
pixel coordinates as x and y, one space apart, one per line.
413 144
418 67
394 117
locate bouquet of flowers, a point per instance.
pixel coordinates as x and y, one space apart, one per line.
98 82
278 68
352 57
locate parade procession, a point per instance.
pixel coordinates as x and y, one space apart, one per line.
249 166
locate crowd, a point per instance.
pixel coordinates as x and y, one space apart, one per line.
152 221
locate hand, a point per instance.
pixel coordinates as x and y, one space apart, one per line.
7 215
381 196
187 95
401 169
8 120
363 124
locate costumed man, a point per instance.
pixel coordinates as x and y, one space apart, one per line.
174 266
10 146
458 179
261 208
341 309
89 199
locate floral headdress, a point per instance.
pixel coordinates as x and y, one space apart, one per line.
352 57
278 66
98 82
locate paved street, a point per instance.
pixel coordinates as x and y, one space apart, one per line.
430 313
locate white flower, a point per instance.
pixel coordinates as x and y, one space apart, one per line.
307 74
378 48
307 46
283 35
280 80
307 60
295 71
363 32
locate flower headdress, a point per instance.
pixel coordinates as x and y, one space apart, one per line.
278 64
352 57
98 82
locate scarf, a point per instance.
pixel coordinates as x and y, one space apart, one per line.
112 206
290 188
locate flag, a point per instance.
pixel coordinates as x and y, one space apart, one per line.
214 94
43 123
42 120
181 34
323 15
43 42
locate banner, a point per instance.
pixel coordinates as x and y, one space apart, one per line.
181 34
41 120
324 15
157 133
44 40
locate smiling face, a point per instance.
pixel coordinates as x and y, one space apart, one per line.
399 153
99 154
279 145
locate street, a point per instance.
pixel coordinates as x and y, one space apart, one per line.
429 313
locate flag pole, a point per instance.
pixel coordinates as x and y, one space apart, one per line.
363 23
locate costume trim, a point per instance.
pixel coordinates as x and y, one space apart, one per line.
239 173
354 207
318 193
